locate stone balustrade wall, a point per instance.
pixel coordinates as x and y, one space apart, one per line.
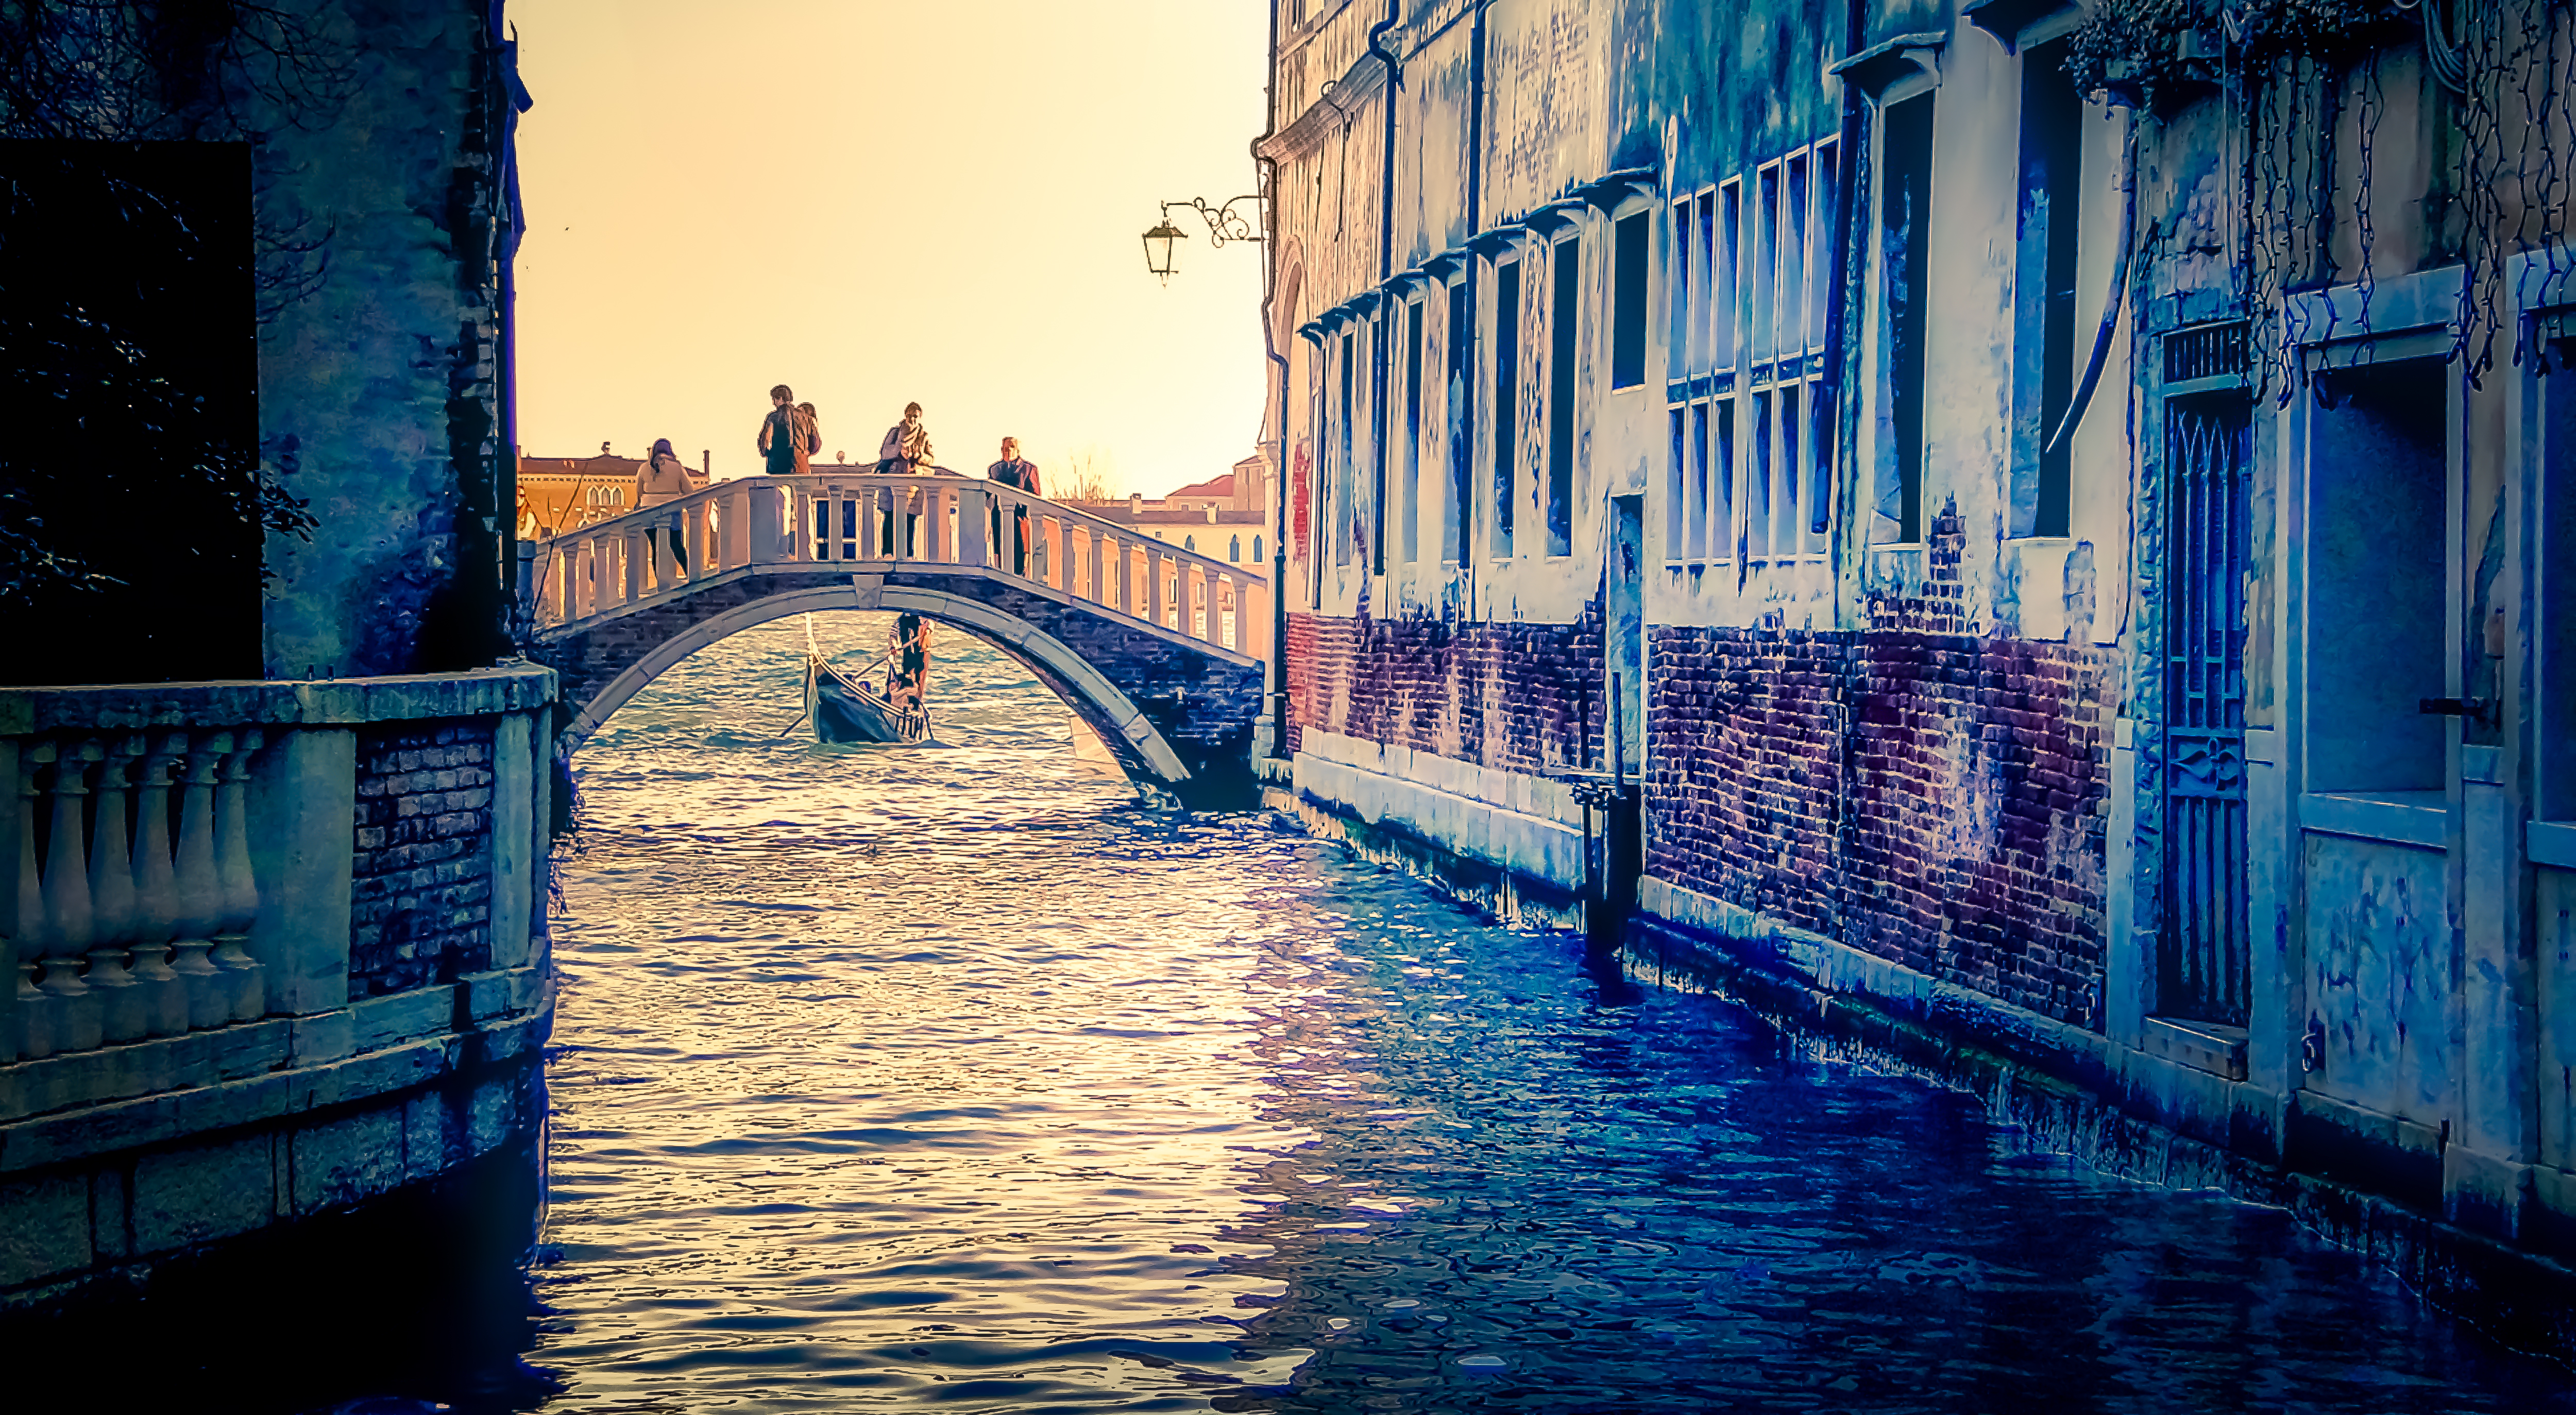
271 948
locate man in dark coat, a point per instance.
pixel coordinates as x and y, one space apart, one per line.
1015 471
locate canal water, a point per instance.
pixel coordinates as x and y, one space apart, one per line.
946 1078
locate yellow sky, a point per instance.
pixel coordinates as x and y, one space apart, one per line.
880 202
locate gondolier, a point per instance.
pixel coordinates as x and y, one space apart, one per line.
844 708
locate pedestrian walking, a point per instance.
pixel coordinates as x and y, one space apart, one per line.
1018 472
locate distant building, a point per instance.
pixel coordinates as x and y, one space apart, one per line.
569 492
1227 517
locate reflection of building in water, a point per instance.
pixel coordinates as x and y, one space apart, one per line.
569 492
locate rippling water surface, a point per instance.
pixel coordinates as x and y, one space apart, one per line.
946 1078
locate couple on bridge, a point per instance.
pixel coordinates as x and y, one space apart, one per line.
792 434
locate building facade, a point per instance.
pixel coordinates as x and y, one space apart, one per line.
563 493
2052 519
275 938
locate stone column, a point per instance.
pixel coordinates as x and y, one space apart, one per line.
69 923
123 1016
303 798
243 986
510 846
156 889
201 894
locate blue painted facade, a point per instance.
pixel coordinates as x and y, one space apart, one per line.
1672 390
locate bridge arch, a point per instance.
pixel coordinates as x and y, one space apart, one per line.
1089 692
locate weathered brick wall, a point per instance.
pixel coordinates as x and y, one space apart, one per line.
1930 795
1521 697
1744 767
1981 787
421 897
1934 797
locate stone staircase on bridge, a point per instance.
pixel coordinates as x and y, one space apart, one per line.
1160 649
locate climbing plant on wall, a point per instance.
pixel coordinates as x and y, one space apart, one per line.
136 263
2295 73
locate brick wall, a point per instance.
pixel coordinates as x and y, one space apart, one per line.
1981 792
1521 697
1934 797
1744 767
1929 795
420 901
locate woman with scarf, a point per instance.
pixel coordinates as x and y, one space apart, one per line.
905 452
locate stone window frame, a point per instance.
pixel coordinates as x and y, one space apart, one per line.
2396 319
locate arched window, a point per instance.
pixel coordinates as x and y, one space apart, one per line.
1257 556
1189 543
1234 548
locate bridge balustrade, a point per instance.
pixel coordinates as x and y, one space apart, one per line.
252 861
874 522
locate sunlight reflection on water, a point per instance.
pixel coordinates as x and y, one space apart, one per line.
948 1077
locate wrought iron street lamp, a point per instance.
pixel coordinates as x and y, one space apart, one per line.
1161 244
1224 224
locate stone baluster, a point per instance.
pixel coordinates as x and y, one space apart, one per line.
585 577
604 574
36 1011
1093 551
1122 575
123 1015
940 548
1252 618
156 892
559 579
1205 629
245 980
201 891
1155 608
978 506
69 923
632 549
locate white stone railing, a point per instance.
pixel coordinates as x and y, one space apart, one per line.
193 857
887 522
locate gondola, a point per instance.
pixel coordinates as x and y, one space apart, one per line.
845 709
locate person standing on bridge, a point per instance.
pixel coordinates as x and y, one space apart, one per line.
906 449
1014 471
665 478
905 452
779 441
809 437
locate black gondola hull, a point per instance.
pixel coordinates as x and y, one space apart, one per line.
844 711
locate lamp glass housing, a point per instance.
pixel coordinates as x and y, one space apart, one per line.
1162 247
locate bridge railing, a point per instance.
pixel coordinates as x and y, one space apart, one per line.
858 518
262 859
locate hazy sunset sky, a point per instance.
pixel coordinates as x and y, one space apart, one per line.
887 202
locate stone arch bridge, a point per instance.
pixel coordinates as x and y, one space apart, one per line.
1159 649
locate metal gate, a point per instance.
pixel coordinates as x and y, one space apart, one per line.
2203 969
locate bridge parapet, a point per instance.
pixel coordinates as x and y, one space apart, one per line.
911 522
1159 648
273 948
